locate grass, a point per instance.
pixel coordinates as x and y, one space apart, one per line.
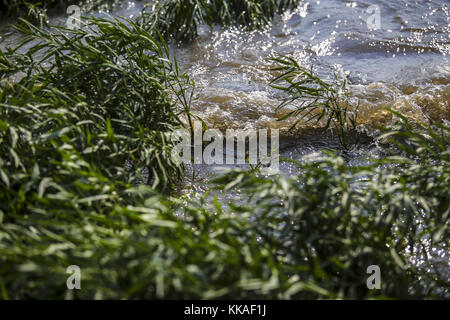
103 89
315 100
86 176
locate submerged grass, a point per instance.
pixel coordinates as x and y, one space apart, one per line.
86 172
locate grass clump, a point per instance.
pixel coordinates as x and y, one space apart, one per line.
104 90
180 18
315 100
129 243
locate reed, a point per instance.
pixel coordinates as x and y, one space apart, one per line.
315 100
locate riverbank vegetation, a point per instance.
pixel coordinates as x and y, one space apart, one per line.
87 179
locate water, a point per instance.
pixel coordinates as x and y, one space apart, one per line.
404 65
